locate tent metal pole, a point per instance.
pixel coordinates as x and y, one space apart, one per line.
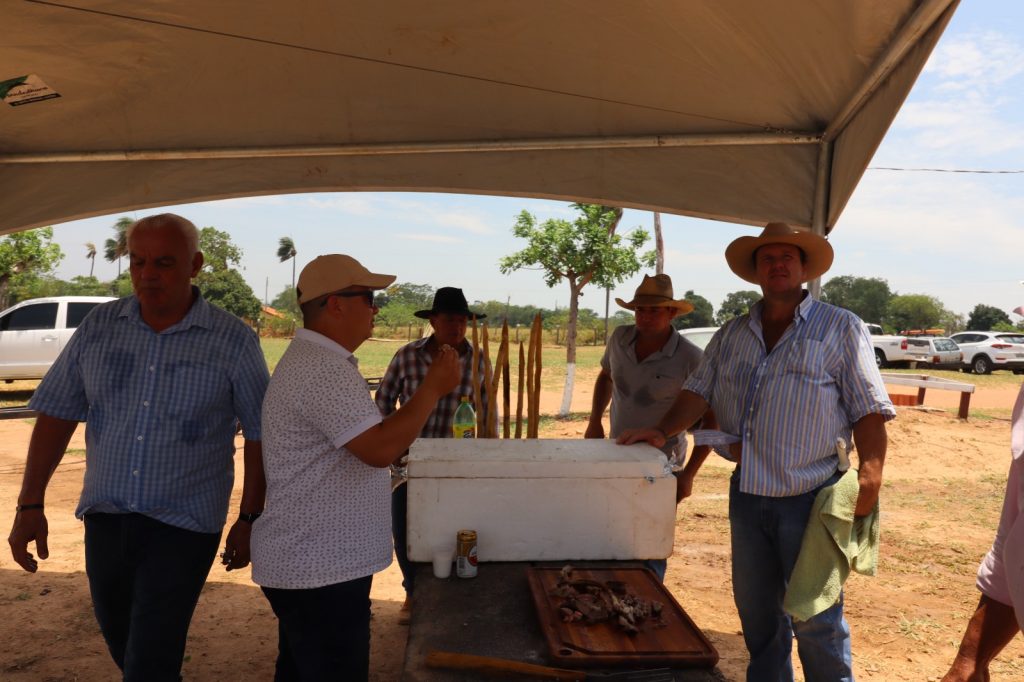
822 189
468 147
920 21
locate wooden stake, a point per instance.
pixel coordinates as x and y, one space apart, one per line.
487 418
499 362
476 376
519 392
505 382
537 365
531 358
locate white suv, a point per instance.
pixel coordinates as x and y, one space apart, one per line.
986 351
33 332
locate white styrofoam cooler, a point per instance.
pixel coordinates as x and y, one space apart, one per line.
540 499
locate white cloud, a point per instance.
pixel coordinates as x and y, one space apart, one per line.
980 60
440 238
467 222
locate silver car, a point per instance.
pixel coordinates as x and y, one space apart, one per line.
33 333
938 352
986 351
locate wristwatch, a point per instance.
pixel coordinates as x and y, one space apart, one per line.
249 518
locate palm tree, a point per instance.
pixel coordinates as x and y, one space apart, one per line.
117 246
90 253
286 250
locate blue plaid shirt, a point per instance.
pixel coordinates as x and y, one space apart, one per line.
789 406
160 410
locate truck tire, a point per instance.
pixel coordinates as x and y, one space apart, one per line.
981 364
880 359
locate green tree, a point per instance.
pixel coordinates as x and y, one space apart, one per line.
116 247
915 311
25 256
287 302
582 251
985 317
90 253
735 304
219 281
703 314
285 251
417 296
866 297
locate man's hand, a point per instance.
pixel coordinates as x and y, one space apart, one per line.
655 437
445 372
236 547
594 430
29 525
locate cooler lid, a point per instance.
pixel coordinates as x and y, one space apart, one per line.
533 458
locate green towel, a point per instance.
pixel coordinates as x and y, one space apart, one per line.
834 542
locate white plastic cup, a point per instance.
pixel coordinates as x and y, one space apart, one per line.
443 563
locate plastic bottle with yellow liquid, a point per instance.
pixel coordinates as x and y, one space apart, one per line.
464 424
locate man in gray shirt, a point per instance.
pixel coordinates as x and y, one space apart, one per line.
642 372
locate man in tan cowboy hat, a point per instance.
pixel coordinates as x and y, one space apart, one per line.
792 383
448 317
642 372
326 528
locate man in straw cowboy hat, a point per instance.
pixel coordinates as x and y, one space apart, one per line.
790 383
642 372
448 315
326 527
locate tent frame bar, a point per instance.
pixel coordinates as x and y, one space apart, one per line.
488 146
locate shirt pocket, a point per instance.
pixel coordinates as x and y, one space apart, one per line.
805 360
665 387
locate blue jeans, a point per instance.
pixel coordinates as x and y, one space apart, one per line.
145 578
659 566
323 633
766 537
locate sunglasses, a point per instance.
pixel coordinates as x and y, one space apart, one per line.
365 295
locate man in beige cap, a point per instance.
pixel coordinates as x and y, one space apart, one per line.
326 527
791 382
642 372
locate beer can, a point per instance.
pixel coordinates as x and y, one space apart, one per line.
465 554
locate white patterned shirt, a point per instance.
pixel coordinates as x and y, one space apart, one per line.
328 514
791 405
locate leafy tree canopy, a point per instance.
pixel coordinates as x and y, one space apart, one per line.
735 304
985 317
219 281
866 297
915 311
25 256
703 314
286 302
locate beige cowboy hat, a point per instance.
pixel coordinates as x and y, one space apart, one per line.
656 291
334 272
740 253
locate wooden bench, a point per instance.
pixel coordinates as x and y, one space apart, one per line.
923 382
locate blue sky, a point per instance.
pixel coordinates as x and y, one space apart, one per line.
956 236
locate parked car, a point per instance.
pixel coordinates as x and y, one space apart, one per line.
33 332
986 351
890 350
936 352
699 336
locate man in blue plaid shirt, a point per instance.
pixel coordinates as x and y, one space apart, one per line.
162 378
448 315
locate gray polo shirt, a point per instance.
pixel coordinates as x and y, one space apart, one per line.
642 392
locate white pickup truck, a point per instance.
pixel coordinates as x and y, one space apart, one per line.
33 333
889 349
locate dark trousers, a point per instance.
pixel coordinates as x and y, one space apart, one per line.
145 578
399 530
324 632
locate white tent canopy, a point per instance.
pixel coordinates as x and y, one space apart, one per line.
744 111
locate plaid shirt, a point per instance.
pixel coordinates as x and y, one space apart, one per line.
406 372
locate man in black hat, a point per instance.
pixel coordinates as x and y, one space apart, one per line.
448 317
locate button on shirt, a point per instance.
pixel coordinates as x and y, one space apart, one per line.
790 405
161 409
328 513
642 392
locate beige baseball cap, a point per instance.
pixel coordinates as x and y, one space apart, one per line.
334 272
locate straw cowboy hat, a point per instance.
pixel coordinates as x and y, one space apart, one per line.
740 253
449 300
656 291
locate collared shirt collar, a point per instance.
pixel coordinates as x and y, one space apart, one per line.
803 309
669 348
198 315
303 334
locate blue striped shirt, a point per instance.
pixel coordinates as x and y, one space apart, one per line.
160 410
789 406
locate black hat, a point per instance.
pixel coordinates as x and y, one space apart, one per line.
449 300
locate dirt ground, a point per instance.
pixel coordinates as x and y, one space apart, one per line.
940 507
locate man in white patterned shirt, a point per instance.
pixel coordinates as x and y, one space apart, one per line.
788 380
448 314
326 527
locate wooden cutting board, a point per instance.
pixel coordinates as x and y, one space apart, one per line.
678 642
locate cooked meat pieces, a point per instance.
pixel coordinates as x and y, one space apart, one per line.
589 601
